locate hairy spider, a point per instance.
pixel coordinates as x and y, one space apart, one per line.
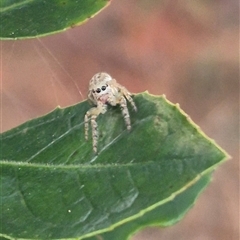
104 90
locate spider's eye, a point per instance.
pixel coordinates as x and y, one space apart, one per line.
98 90
104 88
93 91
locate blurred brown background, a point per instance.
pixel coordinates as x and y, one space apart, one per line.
188 50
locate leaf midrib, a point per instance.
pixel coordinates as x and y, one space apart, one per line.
70 166
15 5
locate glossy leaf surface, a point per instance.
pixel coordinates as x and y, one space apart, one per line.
34 18
163 215
54 186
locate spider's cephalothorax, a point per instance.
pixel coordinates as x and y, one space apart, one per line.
104 90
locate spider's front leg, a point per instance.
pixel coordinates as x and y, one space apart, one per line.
125 112
92 114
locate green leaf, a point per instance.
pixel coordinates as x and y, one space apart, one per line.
163 215
34 18
54 186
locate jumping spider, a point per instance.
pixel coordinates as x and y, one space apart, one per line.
104 90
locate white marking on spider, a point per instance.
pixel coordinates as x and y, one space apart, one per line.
104 90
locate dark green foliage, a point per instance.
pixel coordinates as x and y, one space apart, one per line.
53 186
